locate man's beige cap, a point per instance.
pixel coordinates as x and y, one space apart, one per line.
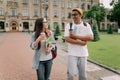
79 10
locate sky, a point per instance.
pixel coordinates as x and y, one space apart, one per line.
106 3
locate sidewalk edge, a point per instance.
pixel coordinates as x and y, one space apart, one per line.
104 66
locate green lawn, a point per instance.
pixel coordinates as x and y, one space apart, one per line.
106 50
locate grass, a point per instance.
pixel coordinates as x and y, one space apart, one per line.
106 51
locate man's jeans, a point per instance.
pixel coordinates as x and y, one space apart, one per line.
76 65
44 69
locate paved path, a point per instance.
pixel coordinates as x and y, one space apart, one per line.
16 56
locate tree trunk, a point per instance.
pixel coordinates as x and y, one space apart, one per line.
98 22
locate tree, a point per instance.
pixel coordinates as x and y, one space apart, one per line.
95 30
57 31
49 26
97 12
115 12
110 31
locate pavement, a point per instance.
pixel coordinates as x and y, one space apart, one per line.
16 57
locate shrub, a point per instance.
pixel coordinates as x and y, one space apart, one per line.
110 31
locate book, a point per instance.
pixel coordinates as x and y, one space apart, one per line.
48 41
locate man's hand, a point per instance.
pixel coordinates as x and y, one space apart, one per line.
82 43
72 35
83 38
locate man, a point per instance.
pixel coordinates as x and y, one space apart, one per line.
77 48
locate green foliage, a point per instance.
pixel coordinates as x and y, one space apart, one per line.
97 12
110 31
115 12
57 31
49 26
95 30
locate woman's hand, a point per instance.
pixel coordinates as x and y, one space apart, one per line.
48 32
41 37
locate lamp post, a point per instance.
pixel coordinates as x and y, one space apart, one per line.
45 6
91 3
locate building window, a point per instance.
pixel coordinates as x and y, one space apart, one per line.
25 25
63 25
90 0
13 12
15 0
103 26
108 25
25 12
69 15
88 7
55 2
35 1
69 5
55 13
25 1
55 24
45 13
76 5
83 6
62 4
113 25
2 25
1 11
35 12
62 15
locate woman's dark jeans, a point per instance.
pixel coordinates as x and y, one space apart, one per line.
44 69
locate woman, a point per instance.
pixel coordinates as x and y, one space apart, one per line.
42 60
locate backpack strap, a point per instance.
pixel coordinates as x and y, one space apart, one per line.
84 23
70 25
